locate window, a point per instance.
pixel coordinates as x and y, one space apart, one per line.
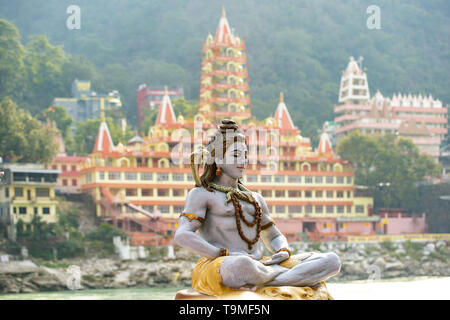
101 175
74 168
88 178
266 193
22 210
178 209
130 175
319 193
308 209
146 176
330 194
178 192
64 182
308 194
330 209
294 194
349 194
280 209
308 179
45 210
147 192
35 209
319 209
252 178
42 192
266 178
349 180
294 179
339 194
64 167
112 175
190 178
131 192
163 177
74 182
340 180
359 209
319 179
279 193
340 209
7 192
349 209
14 210
19 176
164 209
280 179
148 208
163 192
18 192
330 179
54 167
295 209
178 176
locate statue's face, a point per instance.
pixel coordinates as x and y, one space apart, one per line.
235 160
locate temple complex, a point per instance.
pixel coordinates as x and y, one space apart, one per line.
142 186
422 119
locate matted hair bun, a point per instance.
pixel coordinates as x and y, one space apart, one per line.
228 124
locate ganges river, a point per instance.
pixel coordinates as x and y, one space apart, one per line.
398 289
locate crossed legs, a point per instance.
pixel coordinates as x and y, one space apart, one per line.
243 271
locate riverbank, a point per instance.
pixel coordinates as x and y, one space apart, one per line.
375 261
392 289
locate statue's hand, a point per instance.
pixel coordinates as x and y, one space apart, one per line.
277 258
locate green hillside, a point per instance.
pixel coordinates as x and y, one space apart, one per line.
298 47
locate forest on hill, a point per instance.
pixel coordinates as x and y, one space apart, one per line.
298 47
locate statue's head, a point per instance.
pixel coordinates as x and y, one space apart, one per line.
228 151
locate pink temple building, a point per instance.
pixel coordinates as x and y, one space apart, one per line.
422 119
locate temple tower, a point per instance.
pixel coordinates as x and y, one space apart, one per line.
354 88
224 88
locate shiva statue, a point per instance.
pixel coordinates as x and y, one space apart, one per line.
234 227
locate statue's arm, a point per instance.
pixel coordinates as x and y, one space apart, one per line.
185 236
273 239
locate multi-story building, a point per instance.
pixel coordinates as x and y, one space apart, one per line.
69 177
224 82
87 104
151 97
420 118
26 191
142 186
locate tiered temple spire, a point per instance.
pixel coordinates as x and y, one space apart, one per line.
282 115
224 88
166 115
325 148
104 143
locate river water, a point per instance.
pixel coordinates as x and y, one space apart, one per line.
408 289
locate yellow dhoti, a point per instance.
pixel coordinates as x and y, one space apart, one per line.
206 279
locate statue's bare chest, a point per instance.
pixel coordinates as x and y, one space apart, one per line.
218 208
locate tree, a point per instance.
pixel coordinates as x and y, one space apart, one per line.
11 60
23 138
44 74
392 167
59 115
86 133
187 108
